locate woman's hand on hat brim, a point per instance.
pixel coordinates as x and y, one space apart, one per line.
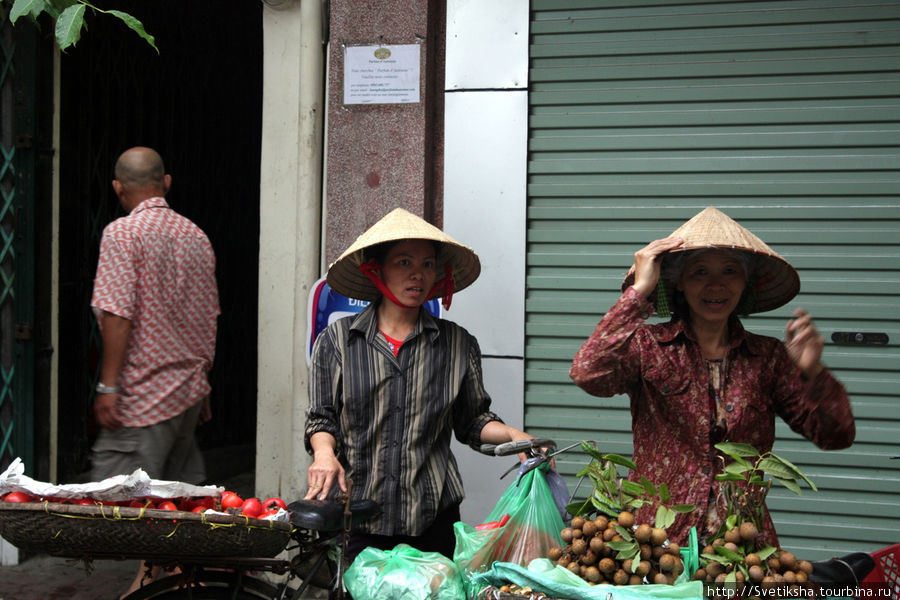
648 262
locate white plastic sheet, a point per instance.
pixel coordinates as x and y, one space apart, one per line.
112 489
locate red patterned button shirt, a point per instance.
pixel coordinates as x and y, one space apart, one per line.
674 414
157 269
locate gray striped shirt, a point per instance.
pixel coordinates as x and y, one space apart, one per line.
392 417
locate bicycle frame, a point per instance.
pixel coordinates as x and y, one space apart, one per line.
319 541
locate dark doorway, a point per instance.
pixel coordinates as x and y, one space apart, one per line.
198 102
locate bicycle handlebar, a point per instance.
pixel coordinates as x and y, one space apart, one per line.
508 448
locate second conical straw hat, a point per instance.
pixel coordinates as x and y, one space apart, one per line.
774 280
345 277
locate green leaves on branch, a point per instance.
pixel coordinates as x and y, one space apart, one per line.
614 493
741 469
746 484
69 18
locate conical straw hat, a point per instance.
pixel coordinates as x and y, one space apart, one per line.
345 277
774 281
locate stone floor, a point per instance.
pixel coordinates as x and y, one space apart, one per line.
49 578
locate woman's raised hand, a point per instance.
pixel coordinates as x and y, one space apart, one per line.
804 344
647 263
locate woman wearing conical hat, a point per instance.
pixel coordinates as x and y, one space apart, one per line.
389 386
701 379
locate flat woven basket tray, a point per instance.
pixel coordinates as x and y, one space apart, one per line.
77 531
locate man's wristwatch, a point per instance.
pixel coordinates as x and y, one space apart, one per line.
106 389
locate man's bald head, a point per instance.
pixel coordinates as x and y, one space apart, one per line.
140 167
140 174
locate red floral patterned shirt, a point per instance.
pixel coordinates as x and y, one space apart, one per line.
675 414
157 269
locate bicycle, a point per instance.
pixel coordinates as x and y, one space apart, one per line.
321 529
316 550
320 534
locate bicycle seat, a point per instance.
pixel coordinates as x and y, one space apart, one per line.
324 515
847 570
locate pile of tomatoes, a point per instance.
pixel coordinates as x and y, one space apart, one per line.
228 502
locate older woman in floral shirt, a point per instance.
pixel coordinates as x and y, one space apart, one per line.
701 379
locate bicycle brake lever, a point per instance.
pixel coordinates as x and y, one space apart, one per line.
510 470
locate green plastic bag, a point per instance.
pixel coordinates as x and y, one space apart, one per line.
545 577
403 573
532 529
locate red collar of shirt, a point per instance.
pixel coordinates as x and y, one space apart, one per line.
667 332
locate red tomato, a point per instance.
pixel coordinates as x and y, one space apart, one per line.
231 500
274 504
166 505
198 509
251 507
266 514
18 497
56 500
205 502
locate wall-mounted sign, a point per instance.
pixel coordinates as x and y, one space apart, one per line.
381 74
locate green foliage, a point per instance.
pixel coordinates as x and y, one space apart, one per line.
69 16
769 463
746 485
614 493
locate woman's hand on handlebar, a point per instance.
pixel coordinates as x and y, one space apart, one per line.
325 469
498 433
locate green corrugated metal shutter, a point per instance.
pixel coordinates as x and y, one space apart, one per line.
785 115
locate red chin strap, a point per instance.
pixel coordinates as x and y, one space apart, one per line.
372 269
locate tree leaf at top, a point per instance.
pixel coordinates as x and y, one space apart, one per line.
68 26
32 8
135 26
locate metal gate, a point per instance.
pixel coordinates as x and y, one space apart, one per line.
17 99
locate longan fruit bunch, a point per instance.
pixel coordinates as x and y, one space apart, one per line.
587 552
779 573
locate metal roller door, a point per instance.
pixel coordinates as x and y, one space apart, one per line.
786 116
